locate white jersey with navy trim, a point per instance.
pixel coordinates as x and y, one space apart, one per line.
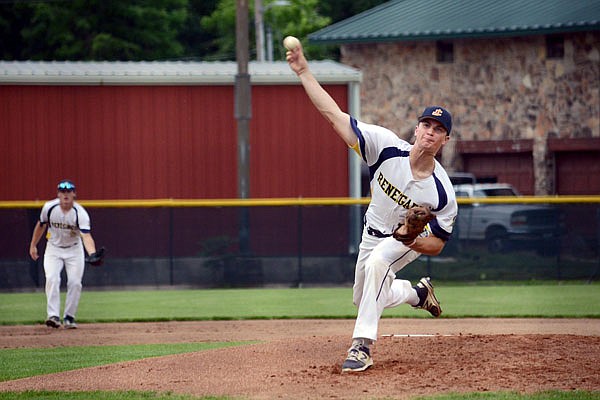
394 189
64 228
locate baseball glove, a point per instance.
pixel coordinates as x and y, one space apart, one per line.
414 223
96 259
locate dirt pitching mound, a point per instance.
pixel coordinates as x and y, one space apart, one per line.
301 359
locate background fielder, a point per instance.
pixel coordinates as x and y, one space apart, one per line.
68 226
403 177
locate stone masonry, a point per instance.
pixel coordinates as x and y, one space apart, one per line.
496 89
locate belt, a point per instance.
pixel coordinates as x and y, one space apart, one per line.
376 233
66 247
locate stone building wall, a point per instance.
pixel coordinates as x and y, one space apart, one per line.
496 89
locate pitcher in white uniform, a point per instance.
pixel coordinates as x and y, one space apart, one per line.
402 176
68 232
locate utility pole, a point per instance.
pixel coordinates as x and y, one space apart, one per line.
259 25
243 114
259 29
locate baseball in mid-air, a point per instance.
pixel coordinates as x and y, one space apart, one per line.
291 42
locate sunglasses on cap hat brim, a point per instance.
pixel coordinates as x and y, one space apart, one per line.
66 186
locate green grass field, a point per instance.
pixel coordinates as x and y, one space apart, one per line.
545 300
505 300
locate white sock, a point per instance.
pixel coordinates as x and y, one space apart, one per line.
361 342
413 298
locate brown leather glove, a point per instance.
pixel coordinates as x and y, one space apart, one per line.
414 223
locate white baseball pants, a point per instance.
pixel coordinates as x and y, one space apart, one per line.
72 259
375 283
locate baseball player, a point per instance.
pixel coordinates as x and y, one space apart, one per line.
68 226
403 177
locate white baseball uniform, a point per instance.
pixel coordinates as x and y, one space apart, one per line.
393 192
64 248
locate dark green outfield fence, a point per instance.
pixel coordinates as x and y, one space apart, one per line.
291 242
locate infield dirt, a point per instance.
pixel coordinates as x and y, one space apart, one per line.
301 359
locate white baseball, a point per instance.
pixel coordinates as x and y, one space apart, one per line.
291 42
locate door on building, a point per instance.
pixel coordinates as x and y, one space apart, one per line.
577 172
513 168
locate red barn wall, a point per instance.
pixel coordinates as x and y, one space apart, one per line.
144 142
294 151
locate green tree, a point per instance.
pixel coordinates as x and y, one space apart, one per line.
339 10
221 24
13 17
104 30
299 18
198 43
157 29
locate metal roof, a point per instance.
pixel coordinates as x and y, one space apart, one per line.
164 73
444 19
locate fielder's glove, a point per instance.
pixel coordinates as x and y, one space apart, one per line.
414 223
96 259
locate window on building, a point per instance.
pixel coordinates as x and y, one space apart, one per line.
445 52
555 46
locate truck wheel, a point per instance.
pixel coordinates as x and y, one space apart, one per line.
496 239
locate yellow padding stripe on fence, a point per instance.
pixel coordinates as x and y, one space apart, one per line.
316 201
320 201
529 200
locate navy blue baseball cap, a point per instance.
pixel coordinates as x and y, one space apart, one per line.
440 114
66 186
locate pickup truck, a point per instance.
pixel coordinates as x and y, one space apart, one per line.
504 227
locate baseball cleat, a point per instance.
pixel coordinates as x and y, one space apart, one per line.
70 322
428 301
53 322
358 359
